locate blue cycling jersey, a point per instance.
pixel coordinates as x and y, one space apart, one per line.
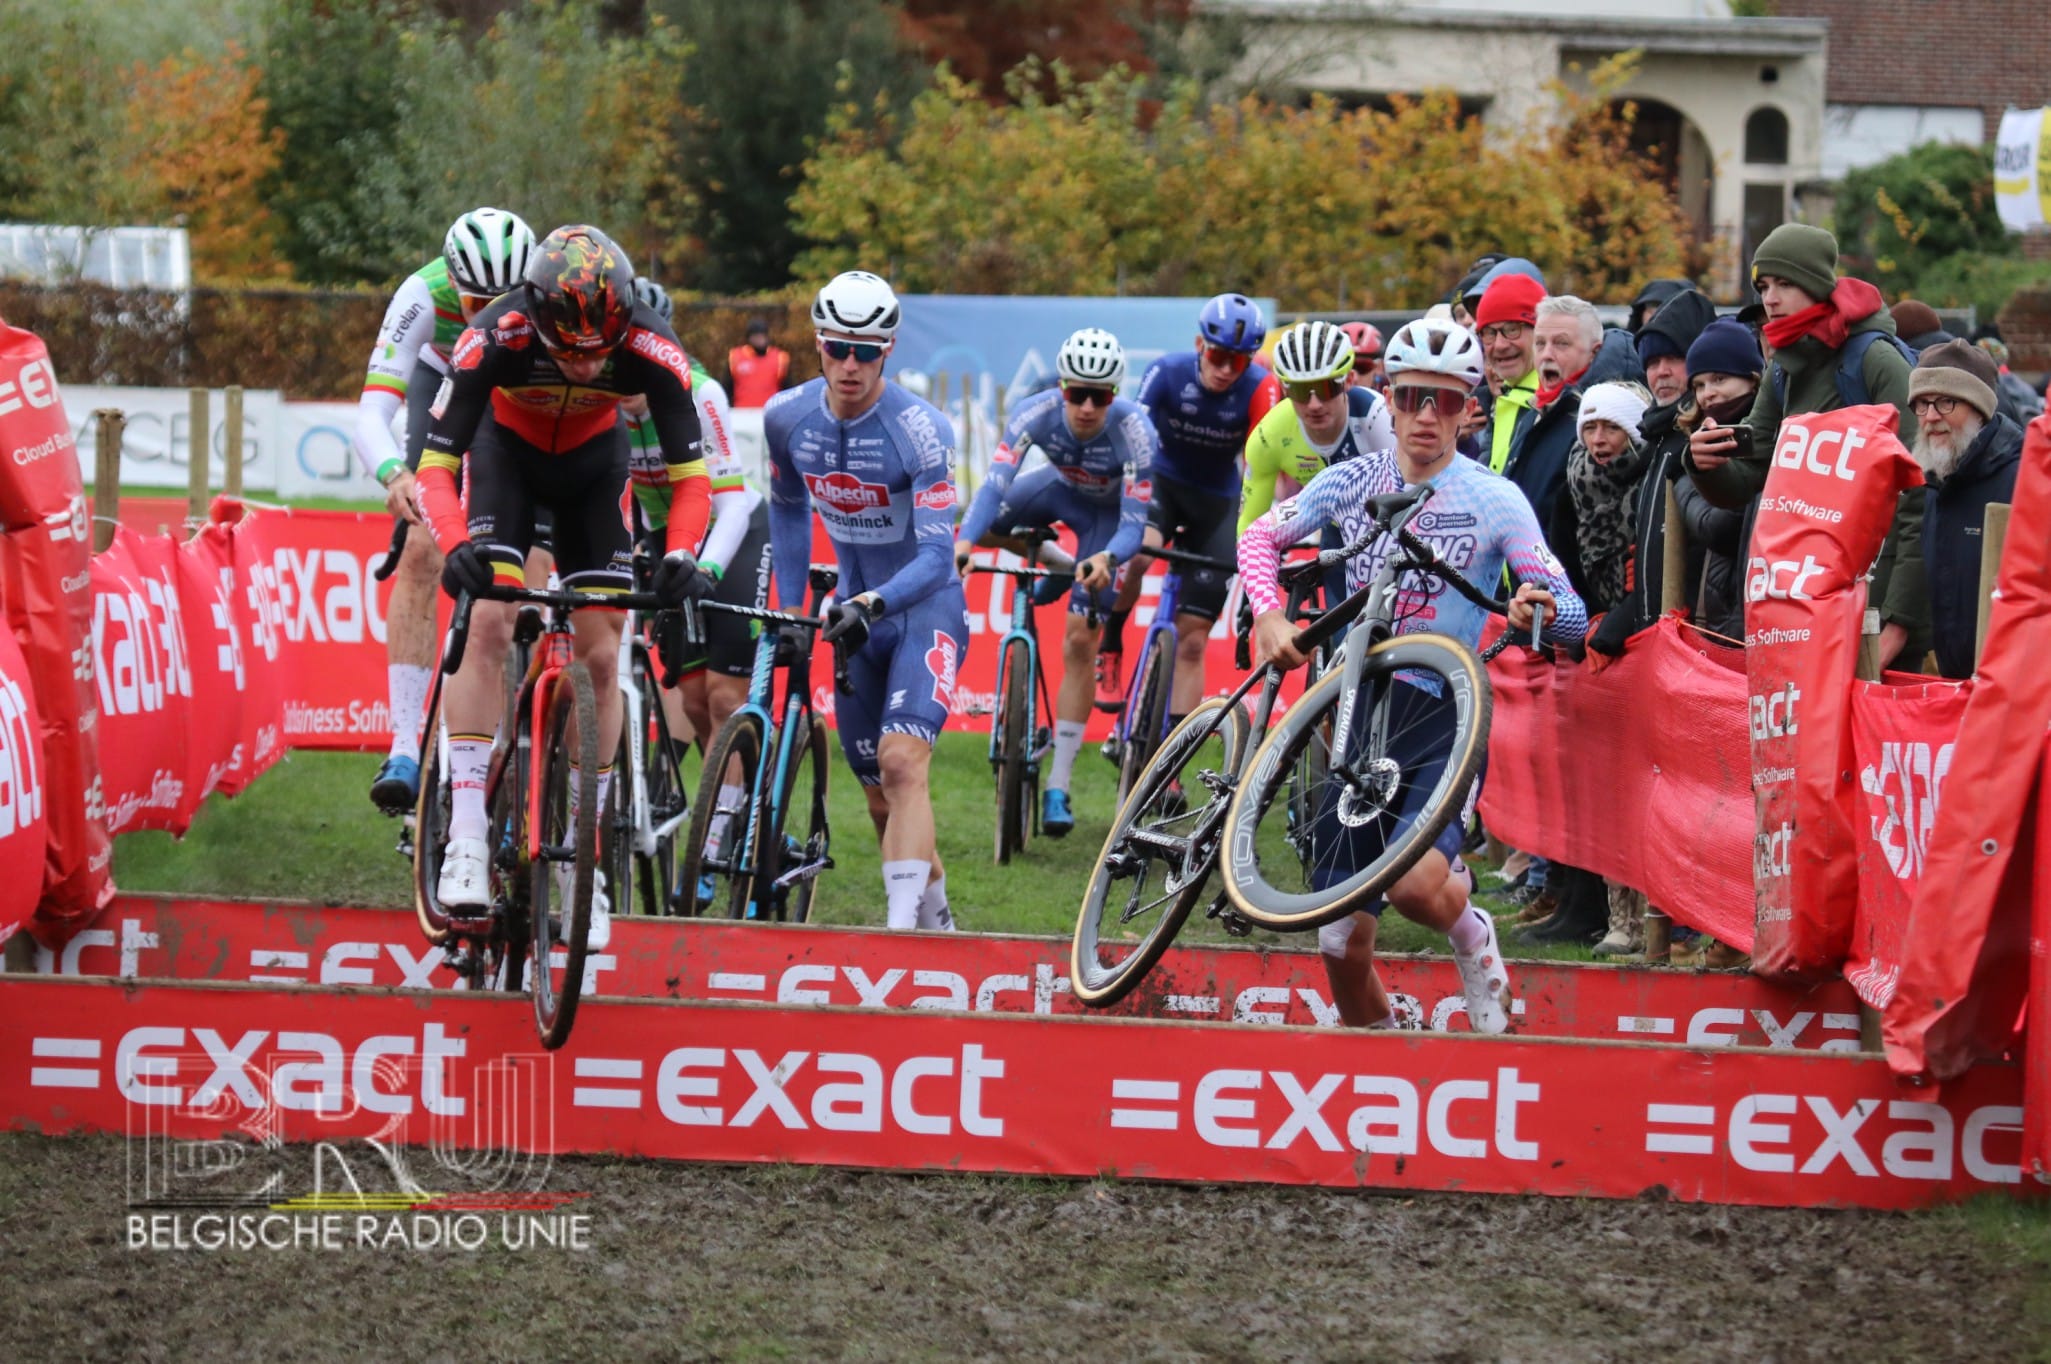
1200 432
884 487
1476 521
1111 469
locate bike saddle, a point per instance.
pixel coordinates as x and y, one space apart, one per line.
1385 507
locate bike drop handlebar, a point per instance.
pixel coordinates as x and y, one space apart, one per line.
393 550
560 598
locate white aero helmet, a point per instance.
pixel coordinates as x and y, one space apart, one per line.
1091 356
1435 346
1310 351
858 304
487 251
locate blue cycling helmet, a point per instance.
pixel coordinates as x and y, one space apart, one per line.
1233 322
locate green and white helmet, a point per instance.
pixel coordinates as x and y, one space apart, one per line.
487 251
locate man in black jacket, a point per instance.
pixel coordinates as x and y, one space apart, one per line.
1573 353
1970 453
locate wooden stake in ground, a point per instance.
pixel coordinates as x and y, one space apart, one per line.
108 424
231 481
198 447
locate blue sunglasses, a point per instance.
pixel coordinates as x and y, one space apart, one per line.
866 352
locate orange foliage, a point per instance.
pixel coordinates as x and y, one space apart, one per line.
198 152
981 43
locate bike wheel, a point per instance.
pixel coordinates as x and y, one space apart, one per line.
727 874
667 804
616 826
1157 862
1149 718
431 831
797 844
562 874
1014 741
1362 841
1307 774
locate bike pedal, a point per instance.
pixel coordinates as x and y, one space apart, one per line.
1235 923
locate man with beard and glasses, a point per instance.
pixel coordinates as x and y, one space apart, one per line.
1970 453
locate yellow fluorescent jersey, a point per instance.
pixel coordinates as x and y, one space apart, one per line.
1279 452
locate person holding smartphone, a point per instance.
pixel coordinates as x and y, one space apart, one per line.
1724 367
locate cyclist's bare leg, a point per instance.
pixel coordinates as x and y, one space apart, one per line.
901 807
595 642
1192 641
476 694
473 701
540 563
1429 894
1078 685
691 694
1356 988
410 639
707 699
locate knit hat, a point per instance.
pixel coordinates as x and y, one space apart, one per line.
1957 369
1653 345
1804 256
1619 404
1913 317
1726 346
1996 348
1512 298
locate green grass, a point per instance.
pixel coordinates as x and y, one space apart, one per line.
2016 1233
307 830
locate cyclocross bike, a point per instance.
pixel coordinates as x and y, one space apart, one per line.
763 868
1019 742
541 790
648 804
1143 718
1169 835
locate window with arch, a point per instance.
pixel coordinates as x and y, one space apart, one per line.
1766 137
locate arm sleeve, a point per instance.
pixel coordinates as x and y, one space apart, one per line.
375 446
408 325
1136 433
1011 452
931 565
1300 518
458 409
790 514
1257 489
1531 561
675 418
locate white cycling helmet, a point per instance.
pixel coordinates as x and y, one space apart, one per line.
1435 346
1310 351
1091 356
655 296
858 304
487 251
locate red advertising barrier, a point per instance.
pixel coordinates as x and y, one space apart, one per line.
2037 1040
145 681
1902 746
24 826
1829 499
1636 773
1965 974
710 960
994 1092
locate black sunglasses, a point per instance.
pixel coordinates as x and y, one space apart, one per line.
1089 397
865 352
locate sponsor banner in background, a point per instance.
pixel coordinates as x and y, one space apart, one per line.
2022 169
1005 1093
1829 499
1902 742
714 961
317 452
156 445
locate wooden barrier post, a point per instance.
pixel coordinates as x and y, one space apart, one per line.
1993 535
231 481
198 449
1673 594
108 424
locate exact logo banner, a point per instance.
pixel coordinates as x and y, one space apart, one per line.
1001 1093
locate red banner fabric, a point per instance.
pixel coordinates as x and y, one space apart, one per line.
1965 971
1637 773
2036 1158
39 474
24 828
1829 499
139 651
220 670
250 548
1902 746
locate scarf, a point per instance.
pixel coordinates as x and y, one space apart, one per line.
1605 495
1830 321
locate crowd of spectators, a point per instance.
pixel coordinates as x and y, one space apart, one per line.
1599 425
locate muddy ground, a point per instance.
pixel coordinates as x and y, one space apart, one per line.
695 1262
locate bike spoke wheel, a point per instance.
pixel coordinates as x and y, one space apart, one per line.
1419 733
1148 720
1015 736
718 882
431 832
1157 863
566 866
797 844
616 827
668 805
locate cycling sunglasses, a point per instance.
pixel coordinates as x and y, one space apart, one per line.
1236 361
1364 364
1089 397
1417 397
864 352
1323 389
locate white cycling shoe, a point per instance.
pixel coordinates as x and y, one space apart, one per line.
466 876
601 907
1486 984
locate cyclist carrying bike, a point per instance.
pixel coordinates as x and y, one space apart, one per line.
1100 454
533 397
878 463
1477 522
484 254
1202 405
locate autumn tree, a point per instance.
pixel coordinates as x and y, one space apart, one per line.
197 153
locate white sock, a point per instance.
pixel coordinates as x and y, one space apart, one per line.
728 801
407 684
1387 1020
904 885
1067 743
468 759
1469 932
933 910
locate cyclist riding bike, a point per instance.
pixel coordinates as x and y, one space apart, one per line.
1477 522
879 465
1202 403
484 254
1328 418
533 396
1100 454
